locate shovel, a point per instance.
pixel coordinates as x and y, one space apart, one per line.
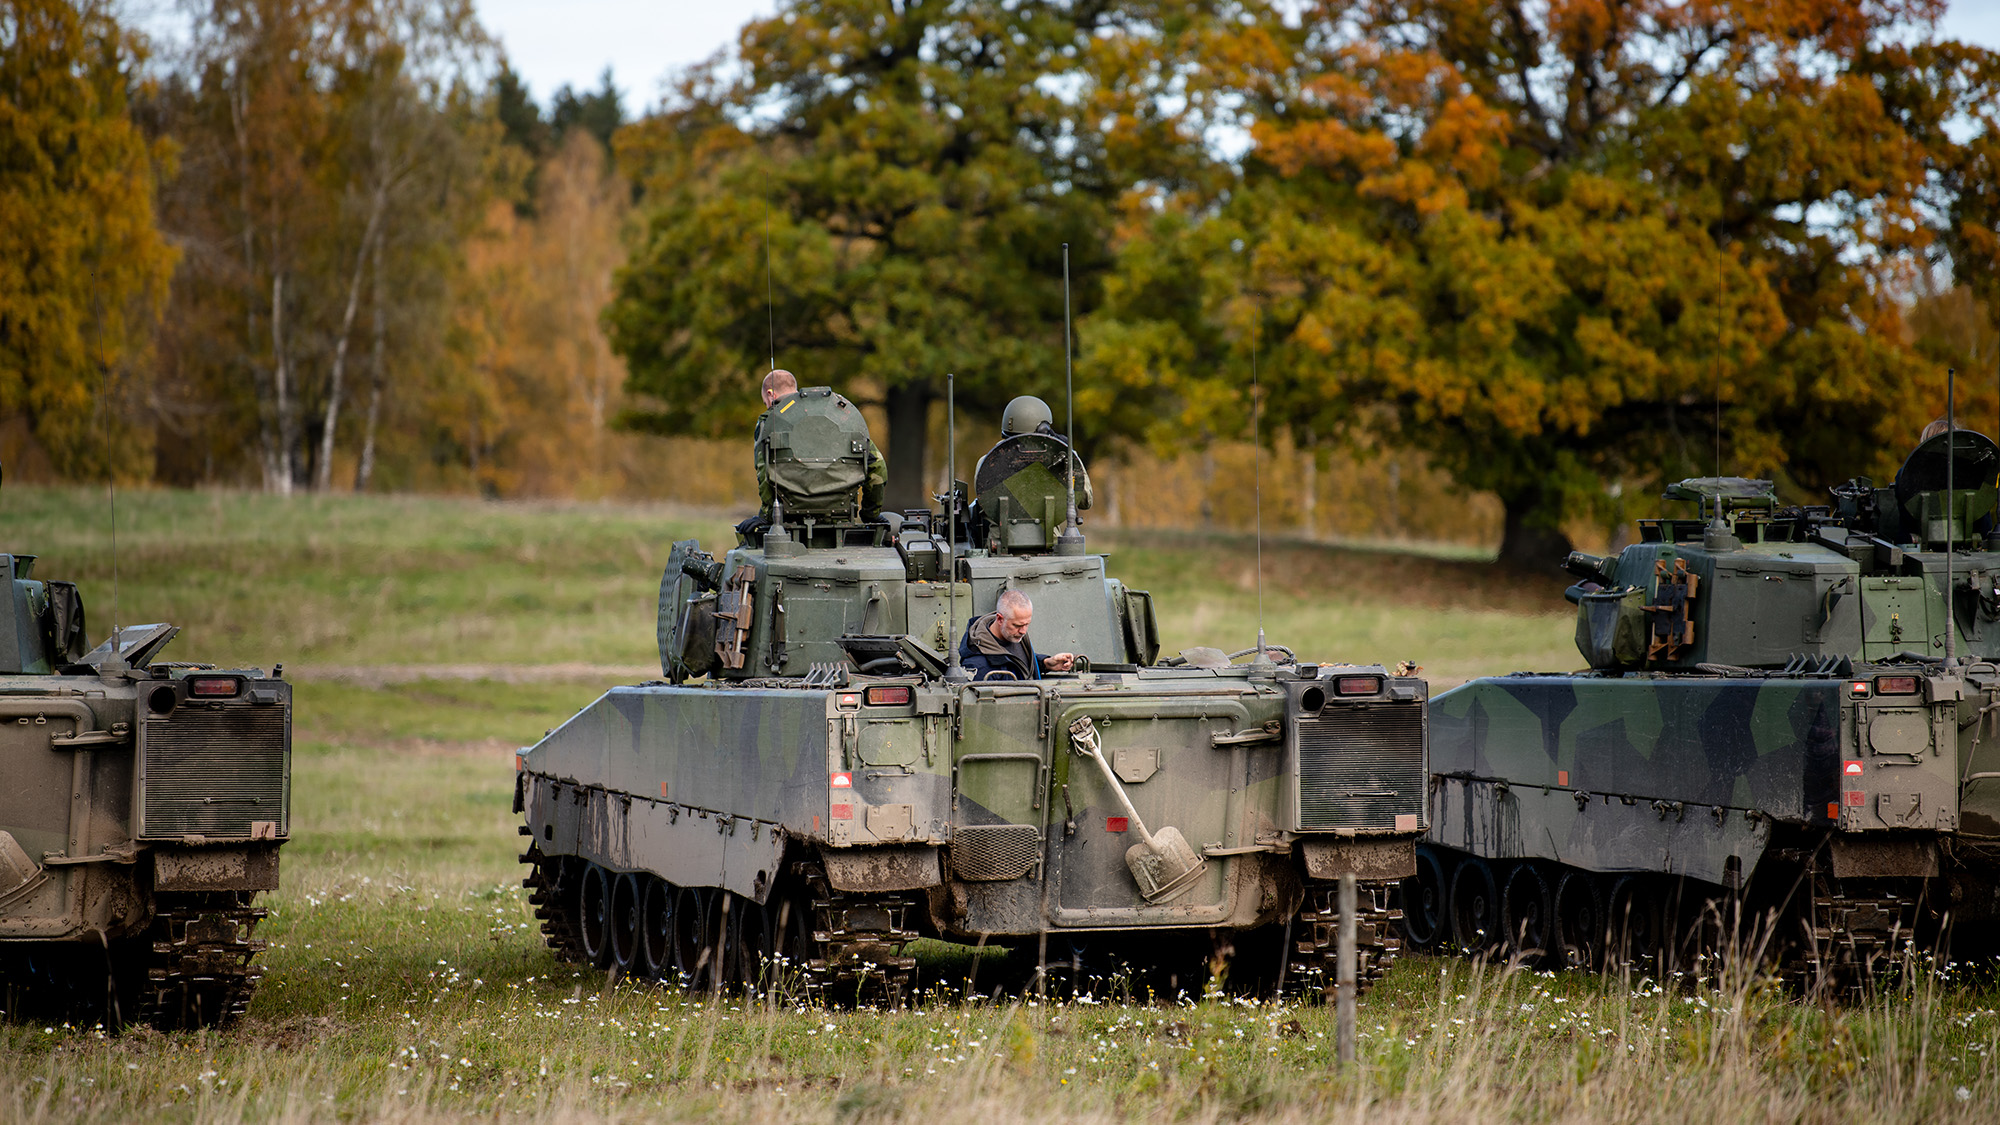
1163 863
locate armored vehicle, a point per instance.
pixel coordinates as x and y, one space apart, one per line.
816 781
144 807
1784 738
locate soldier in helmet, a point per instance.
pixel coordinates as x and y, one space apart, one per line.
779 386
998 642
1026 414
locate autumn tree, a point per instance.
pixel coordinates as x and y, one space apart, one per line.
879 198
1573 246
526 324
333 167
83 268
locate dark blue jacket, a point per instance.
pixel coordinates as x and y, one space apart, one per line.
982 653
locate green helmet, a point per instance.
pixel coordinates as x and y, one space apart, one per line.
1026 415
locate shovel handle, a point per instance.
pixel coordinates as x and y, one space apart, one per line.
1083 735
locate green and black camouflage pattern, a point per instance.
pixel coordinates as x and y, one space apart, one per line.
1811 687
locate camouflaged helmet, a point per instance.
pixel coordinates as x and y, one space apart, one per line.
1026 415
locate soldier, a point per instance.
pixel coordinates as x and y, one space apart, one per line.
1026 414
779 386
998 642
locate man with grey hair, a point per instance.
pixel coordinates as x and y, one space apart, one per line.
998 642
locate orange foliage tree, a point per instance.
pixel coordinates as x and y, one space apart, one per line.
83 268
1570 247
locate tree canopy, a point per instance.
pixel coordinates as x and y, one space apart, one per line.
898 182
83 269
1568 247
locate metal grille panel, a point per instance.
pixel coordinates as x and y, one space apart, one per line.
1359 767
216 772
990 853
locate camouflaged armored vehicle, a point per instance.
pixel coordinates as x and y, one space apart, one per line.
814 784
1785 738
144 807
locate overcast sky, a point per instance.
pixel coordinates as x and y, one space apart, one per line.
557 42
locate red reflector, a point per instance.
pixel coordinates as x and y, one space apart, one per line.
843 812
1858 689
1357 685
841 781
1895 685
1833 810
1562 777
1115 824
1855 798
887 696
1851 769
214 686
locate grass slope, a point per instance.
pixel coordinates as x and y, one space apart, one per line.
315 581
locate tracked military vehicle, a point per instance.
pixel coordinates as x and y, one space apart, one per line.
144 808
1785 735
815 782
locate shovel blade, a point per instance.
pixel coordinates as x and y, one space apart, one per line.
1166 868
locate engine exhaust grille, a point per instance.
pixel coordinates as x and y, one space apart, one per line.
1360 767
216 772
989 853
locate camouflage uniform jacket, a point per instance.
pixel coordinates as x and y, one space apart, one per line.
871 492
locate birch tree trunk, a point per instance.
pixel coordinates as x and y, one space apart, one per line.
366 467
277 444
323 466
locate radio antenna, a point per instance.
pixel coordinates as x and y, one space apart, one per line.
1720 284
1950 512
1257 475
1070 542
117 658
955 672
770 302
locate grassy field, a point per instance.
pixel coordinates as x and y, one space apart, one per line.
335 583
407 981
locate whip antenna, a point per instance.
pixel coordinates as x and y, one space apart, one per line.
1950 512
117 658
1070 542
955 673
770 303
1257 479
1719 284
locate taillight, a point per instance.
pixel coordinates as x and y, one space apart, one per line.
214 687
1357 685
1895 685
886 696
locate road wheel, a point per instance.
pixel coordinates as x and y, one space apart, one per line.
593 915
755 946
691 936
626 893
1634 918
793 941
1425 921
1525 909
656 928
1580 921
1475 908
